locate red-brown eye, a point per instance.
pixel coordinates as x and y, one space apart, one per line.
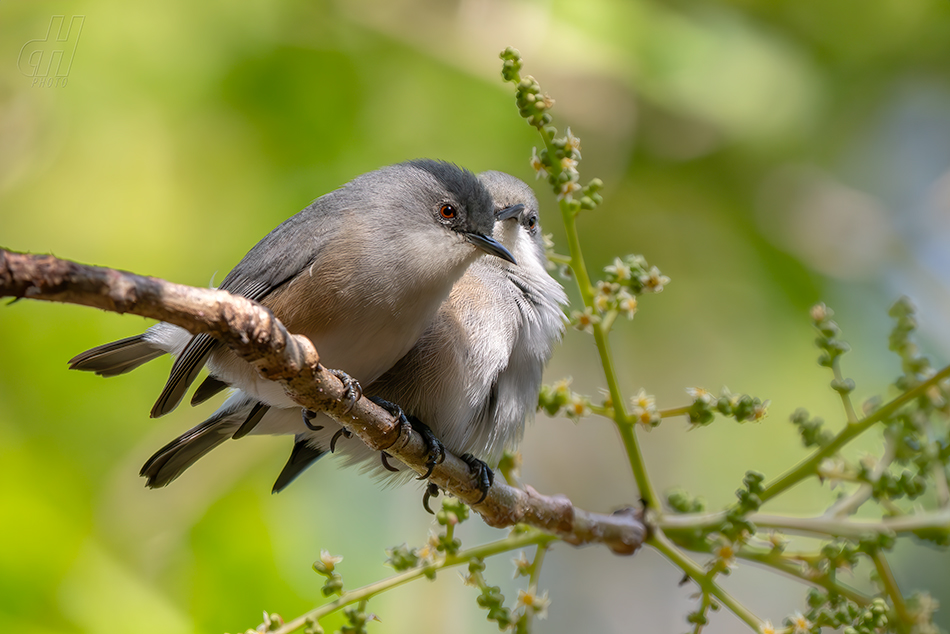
447 212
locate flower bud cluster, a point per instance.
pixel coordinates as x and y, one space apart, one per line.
741 407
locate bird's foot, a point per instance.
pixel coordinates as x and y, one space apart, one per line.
352 391
435 449
484 476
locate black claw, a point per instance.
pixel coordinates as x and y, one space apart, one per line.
308 415
484 476
431 491
435 448
352 391
346 433
384 457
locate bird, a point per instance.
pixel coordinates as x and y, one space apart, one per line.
361 271
473 376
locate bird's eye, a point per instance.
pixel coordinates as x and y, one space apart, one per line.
532 222
447 211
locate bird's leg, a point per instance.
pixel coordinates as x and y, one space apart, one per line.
484 476
352 391
435 449
400 416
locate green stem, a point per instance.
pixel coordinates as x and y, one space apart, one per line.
704 609
687 524
606 412
782 564
607 322
705 580
536 567
512 542
938 470
890 586
809 466
569 211
631 444
845 396
675 411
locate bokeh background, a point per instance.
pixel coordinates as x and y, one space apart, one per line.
765 155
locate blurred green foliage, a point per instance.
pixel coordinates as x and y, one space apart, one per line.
766 155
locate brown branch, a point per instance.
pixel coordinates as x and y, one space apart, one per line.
255 335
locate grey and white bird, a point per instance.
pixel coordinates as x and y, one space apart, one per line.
473 376
361 271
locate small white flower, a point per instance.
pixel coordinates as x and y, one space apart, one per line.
567 189
522 565
654 280
585 321
619 269
330 560
777 540
430 552
569 164
700 394
572 144
725 552
538 604
537 165
644 409
577 407
643 400
627 303
799 624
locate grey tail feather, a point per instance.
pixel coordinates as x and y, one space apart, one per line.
302 456
184 372
257 413
208 388
170 461
117 357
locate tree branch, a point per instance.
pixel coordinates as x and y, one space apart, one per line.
255 335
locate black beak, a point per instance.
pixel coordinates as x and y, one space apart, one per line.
490 246
509 212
